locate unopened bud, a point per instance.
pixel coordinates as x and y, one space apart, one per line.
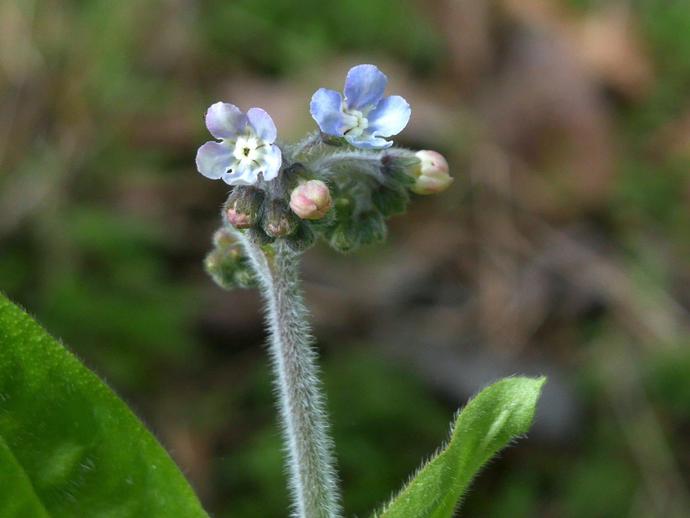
238 219
431 176
242 208
278 220
227 266
311 200
223 238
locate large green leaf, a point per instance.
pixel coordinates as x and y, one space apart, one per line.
68 446
488 423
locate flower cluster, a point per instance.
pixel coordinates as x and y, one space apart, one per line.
339 184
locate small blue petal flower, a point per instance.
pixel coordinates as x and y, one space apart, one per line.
364 116
246 148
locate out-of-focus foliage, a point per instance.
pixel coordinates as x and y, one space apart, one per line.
280 36
561 249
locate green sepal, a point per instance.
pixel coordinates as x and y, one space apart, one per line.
371 227
390 200
344 236
302 239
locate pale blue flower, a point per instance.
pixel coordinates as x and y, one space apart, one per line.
246 148
364 116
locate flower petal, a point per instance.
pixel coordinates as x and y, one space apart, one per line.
326 109
225 120
364 87
390 117
263 125
369 141
241 175
213 159
273 159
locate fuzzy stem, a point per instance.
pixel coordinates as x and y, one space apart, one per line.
303 417
307 144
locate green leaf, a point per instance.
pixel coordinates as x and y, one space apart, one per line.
488 423
68 445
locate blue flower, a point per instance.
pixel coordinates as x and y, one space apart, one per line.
246 148
364 116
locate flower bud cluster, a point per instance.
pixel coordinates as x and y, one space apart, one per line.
361 208
344 198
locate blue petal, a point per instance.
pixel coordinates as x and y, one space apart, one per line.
225 120
325 108
263 125
272 162
389 117
239 175
368 141
213 159
364 87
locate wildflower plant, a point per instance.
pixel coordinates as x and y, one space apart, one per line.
338 185
70 447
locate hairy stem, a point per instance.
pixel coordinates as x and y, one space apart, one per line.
303 418
307 144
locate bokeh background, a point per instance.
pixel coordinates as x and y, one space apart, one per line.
561 249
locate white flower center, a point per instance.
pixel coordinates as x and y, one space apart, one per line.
355 122
248 150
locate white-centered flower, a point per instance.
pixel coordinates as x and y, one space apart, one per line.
246 148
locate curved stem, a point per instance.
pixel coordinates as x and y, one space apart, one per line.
303 418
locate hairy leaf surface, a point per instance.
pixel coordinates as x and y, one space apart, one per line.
493 418
68 445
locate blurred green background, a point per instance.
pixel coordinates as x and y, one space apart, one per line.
561 249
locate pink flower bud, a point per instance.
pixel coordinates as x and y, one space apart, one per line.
237 218
278 221
241 209
431 174
311 200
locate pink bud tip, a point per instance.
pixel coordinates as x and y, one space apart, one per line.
238 219
432 173
311 200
